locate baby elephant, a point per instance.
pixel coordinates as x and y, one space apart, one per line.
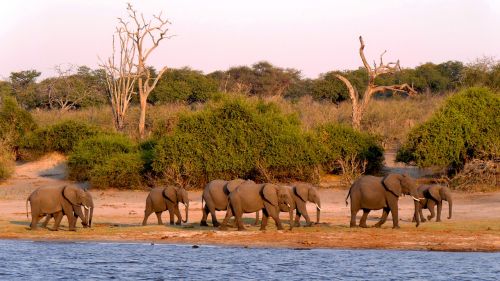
432 195
161 199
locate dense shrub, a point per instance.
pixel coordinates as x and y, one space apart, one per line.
96 151
15 122
342 144
241 138
237 139
121 170
6 162
61 137
466 127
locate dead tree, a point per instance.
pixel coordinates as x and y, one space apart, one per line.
120 78
146 35
360 104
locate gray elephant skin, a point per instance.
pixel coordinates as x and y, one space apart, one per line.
432 195
167 198
375 193
250 197
215 196
59 201
303 193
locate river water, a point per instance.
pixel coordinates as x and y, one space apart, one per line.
27 260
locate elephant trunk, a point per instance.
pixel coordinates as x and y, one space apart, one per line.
186 207
291 217
416 214
86 217
450 203
90 216
318 211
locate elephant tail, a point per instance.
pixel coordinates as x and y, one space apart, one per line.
347 197
202 200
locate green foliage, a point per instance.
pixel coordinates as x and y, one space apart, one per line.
61 137
120 170
6 162
236 139
15 122
184 85
241 138
95 151
341 142
466 127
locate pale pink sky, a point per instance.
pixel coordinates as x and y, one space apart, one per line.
312 36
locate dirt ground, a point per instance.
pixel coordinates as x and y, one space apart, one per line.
475 225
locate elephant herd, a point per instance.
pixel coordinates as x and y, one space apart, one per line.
238 197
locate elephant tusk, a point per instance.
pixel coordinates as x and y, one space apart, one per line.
288 205
86 208
317 206
416 199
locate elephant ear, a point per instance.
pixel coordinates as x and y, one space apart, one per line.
392 183
270 194
302 191
170 193
71 194
434 191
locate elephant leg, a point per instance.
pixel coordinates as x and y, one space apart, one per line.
421 214
229 214
303 211
35 217
430 207
354 212
158 218
171 214
178 215
205 212
382 220
256 223
211 208
265 218
362 222
297 218
275 214
147 213
46 221
58 217
439 208
393 206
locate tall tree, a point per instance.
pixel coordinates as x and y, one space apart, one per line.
360 103
146 36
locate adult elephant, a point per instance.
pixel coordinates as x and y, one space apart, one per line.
86 219
161 199
59 201
215 195
432 195
303 193
375 193
250 197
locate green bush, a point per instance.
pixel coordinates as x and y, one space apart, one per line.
341 142
241 138
466 127
95 151
121 170
236 139
15 122
6 162
61 137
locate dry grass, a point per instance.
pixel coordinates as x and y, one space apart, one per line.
391 119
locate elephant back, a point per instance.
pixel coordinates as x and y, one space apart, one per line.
48 199
157 199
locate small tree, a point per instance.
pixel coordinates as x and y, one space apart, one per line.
120 78
360 104
142 32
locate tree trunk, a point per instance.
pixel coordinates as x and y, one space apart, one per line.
142 117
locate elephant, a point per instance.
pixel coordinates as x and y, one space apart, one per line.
215 195
251 197
85 222
434 195
302 193
161 199
59 201
375 193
